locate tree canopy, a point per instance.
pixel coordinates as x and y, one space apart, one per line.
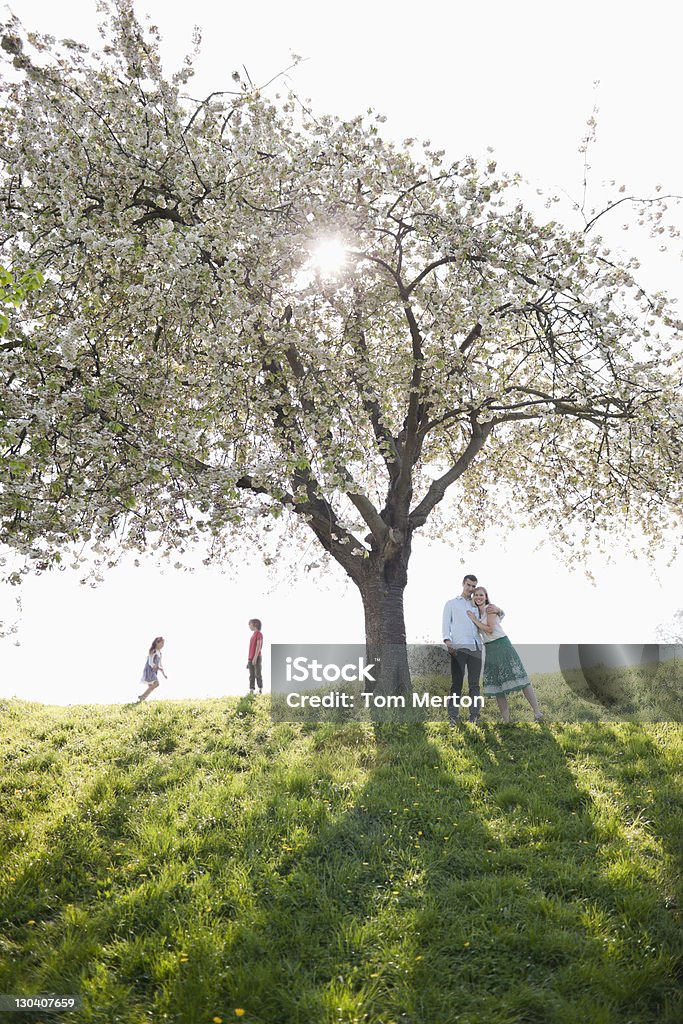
189 368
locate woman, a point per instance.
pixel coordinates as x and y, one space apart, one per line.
503 670
152 667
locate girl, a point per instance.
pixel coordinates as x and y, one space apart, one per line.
152 667
503 670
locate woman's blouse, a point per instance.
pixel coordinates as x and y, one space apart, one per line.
498 630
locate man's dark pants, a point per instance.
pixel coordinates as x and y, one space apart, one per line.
461 660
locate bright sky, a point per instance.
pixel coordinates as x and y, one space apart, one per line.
518 77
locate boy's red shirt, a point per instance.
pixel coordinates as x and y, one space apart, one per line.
256 636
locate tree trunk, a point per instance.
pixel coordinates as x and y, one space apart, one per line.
382 588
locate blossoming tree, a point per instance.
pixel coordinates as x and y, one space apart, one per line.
248 311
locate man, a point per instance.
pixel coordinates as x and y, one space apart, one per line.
463 643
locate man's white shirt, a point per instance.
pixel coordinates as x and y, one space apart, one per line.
457 626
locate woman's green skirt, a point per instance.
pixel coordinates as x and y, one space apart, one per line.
503 670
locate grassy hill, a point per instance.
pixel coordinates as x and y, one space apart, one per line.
192 861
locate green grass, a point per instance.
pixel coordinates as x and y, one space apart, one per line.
178 861
638 696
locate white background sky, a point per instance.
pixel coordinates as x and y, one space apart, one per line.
518 77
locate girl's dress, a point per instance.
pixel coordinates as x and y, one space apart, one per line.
149 672
503 669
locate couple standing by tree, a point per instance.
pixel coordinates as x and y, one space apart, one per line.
470 623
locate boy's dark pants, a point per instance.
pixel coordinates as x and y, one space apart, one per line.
255 676
461 660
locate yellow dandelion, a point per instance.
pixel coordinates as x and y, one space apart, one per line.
217 1020
465 945
239 1012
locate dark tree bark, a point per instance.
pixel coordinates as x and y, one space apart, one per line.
382 587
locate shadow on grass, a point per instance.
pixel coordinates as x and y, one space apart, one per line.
635 768
394 914
473 876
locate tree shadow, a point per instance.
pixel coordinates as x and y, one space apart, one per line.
466 891
467 879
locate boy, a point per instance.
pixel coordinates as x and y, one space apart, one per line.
254 663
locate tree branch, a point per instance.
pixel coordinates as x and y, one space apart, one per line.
386 442
320 515
409 434
428 269
438 488
625 199
370 515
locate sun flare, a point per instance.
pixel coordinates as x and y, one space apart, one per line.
329 257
